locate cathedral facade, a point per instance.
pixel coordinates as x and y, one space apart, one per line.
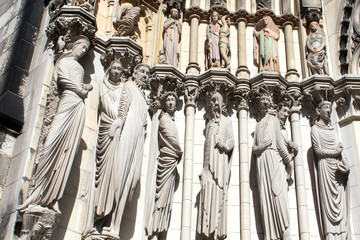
170 119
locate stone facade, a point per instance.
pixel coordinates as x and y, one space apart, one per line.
37 35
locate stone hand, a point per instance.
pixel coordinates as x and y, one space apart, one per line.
117 124
340 148
262 147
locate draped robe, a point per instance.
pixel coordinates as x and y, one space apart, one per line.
169 157
271 177
332 171
63 139
215 178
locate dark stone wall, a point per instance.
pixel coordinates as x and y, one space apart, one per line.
19 27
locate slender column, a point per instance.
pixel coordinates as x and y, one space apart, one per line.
242 71
245 230
110 15
291 73
193 66
303 219
186 212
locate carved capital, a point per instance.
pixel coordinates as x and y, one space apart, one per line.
191 93
68 23
241 97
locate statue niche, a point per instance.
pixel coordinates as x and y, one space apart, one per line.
55 159
215 176
266 36
331 176
316 50
272 161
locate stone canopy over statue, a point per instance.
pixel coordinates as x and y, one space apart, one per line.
266 36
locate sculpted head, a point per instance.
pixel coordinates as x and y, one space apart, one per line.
324 111
137 59
142 72
314 26
80 47
283 113
170 102
216 103
214 17
265 103
116 71
174 13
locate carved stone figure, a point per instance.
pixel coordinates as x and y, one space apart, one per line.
88 5
56 5
215 176
224 42
332 174
120 145
212 54
107 58
172 36
107 155
170 154
56 157
316 50
282 114
266 36
126 21
272 157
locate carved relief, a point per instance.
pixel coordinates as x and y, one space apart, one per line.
218 2
126 21
270 146
172 36
266 36
56 5
331 170
215 176
167 177
58 152
316 50
88 5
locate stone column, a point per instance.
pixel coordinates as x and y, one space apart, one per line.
291 73
193 66
191 93
242 71
243 110
110 16
303 219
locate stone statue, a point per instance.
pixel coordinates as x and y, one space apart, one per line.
272 157
215 176
212 53
88 5
120 146
266 36
282 114
170 154
126 21
172 36
107 58
56 5
332 174
107 155
224 43
316 50
56 157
